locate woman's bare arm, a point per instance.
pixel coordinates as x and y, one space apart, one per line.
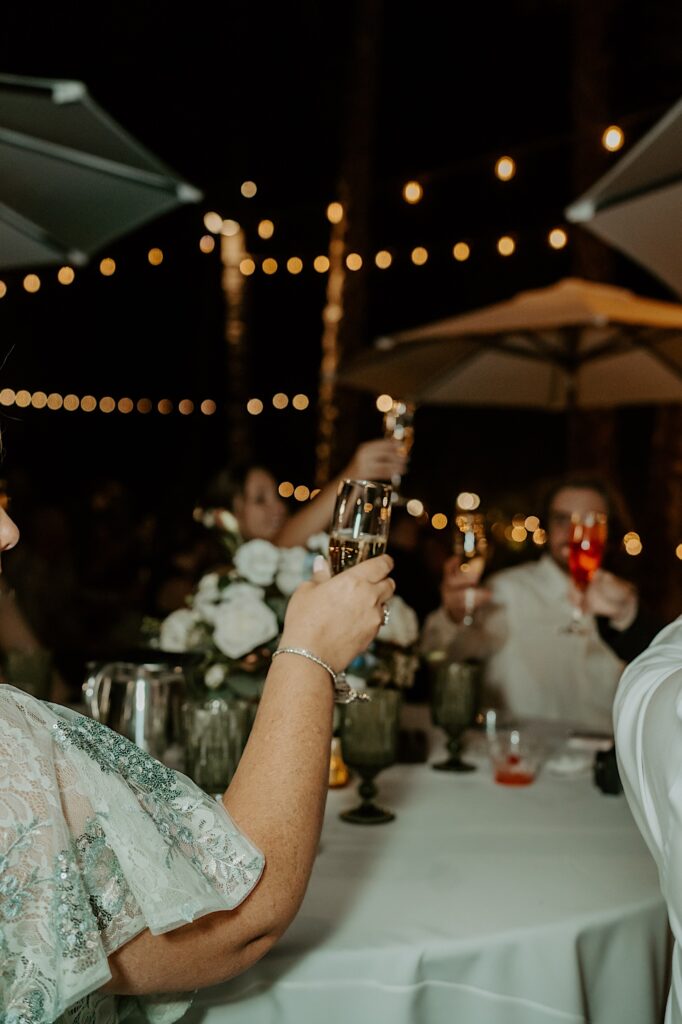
277 795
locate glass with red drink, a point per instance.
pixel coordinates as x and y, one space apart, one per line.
586 550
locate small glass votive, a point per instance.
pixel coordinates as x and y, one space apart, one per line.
215 735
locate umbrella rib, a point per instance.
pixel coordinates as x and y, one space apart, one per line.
31 230
103 165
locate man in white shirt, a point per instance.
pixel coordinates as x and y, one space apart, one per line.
535 667
647 719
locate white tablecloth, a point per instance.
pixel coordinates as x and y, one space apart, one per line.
479 904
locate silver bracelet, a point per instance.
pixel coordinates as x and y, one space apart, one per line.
343 691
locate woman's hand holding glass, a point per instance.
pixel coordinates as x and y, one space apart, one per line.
337 618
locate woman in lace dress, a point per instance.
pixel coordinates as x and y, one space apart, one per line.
122 885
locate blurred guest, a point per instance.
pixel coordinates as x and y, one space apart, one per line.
534 666
648 730
251 494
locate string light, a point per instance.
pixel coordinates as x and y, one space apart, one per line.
248 189
254 406
294 265
314 493
335 213
613 138
155 257
144 406
383 259
439 521
321 264
384 403
88 403
286 489
247 266
266 229
354 261
31 283
505 168
66 275
269 266
107 404
632 543
300 402
506 245
7 396
54 401
107 267
419 255
415 507
125 405
207 243
23 399
519 534
71 403
461 251
165 407
557 238
678 551
302 493
213 222
208 407
412 192
531 523
468 501
280 400
230 228
3 289
539 537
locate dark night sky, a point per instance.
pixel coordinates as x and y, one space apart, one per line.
230 92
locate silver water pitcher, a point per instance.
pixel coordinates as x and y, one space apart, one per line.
141 701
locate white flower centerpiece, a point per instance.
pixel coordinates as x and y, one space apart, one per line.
234 619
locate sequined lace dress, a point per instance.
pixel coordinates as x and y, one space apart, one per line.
98 841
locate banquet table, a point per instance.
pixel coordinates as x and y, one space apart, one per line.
479 904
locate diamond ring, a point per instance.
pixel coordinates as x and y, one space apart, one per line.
387 615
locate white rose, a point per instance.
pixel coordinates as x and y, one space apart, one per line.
257 561
208 587
240 626
403 625
215 676
226 521
292 569
242 592
176 630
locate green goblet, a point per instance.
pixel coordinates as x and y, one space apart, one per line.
369 740
454 699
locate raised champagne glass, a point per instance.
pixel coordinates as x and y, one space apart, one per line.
586 545
360 523
399 425
470 545
359 530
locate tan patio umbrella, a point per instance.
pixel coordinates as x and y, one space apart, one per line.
637 205
573 344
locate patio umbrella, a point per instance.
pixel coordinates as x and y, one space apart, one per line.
573 344
71 178
637 206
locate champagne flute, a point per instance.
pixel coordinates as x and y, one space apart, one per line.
398 424
360 523
585 552
470 543
359 530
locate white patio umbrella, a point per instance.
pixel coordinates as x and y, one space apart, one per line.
637 205
71 178
573 344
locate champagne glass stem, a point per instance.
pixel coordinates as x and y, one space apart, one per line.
469 605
